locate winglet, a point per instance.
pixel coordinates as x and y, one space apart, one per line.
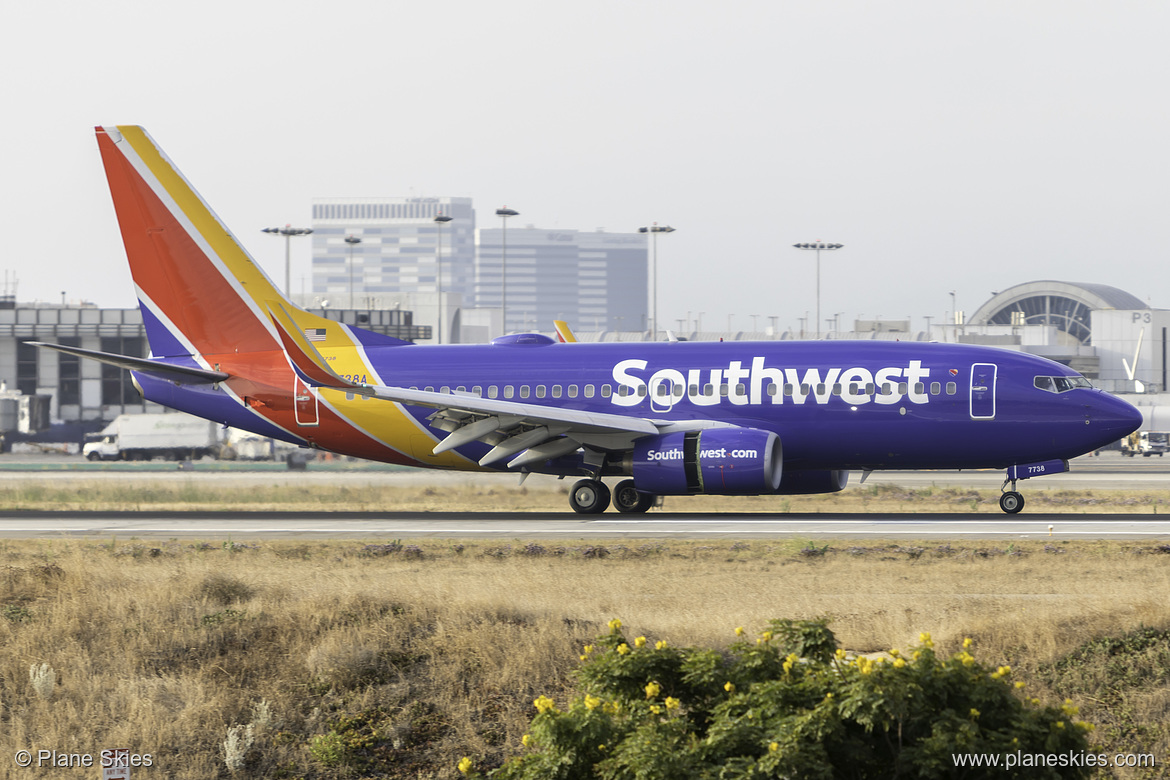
304 357
564 332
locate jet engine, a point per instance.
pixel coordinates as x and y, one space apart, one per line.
717 461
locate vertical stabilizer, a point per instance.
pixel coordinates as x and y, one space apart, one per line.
200 292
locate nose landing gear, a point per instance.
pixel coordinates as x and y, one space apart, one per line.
1009 500
1012 502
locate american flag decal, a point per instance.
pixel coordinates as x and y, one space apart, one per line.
315 334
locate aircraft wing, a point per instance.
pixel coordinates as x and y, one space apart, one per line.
531 432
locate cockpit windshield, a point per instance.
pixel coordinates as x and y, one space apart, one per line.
1061 384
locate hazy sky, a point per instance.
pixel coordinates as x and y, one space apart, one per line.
949 146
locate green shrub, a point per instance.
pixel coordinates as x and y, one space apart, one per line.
788 704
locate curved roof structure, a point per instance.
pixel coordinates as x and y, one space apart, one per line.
1066 305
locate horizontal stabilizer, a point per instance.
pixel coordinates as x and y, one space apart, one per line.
168 371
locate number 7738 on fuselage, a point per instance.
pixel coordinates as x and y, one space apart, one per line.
669 418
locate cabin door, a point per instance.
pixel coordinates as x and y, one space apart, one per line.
304 403
983 391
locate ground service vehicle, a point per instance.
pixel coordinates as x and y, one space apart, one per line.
1145 443
171 436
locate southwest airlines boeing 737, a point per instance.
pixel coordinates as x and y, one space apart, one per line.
668 418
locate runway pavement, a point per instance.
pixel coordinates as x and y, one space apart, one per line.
241 526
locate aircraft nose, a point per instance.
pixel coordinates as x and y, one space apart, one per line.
1114 418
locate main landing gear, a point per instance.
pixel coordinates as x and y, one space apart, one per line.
591 497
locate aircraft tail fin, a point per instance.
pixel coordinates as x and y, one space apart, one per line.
200 291
564 332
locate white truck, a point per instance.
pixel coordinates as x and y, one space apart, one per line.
1145 443
147 436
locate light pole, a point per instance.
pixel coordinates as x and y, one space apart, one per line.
654 230
503 214
352 241
441 220
288 232
818 246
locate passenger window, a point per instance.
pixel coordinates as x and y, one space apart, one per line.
887 389
935 388
461 389
663 389
678 391
642 391
623 391
952 388
606 391
572 391
804 389
588 391
820 388
493 391
509 391
724 390
477 390
741 390
870 388
772 389
525 391
788 389
709 390
444 389
429 389
540 391
556 391
919 388
902 387
854 388
837 388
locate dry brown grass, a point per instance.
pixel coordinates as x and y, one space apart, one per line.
209 492
444 645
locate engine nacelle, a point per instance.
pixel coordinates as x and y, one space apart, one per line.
719 461
805 481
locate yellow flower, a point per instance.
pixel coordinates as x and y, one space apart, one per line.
739 631
640 642
671 703
899 663
840 654
543 703
652 690
615 624
1060 724
974 713
526 740
1020 684
655 709
925 640
623 649
660 644
464 765
967 643
591 702
588 649
895 652
767 635
729 687
774 747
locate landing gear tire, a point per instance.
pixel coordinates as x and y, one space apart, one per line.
627 499
1011 502
589 497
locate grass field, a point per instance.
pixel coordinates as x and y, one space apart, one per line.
178 492
394 659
